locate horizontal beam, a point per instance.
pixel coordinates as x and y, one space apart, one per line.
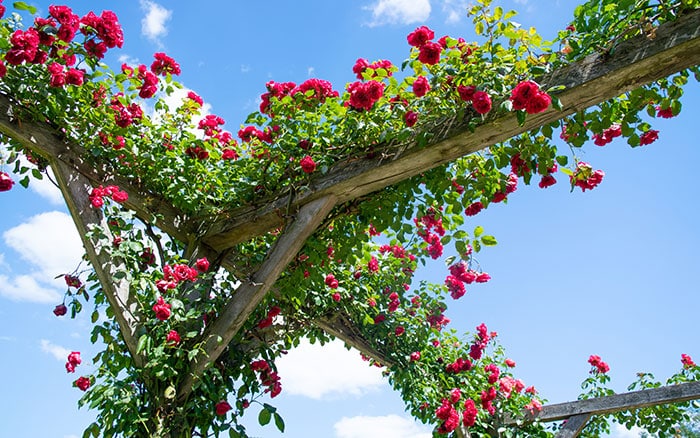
595 79
616 403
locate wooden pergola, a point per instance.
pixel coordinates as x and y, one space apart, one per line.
595 79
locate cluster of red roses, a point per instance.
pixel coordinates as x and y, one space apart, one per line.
267 377
585 178
98 194
608 134
480 100
362 65
426 224
175 274
687 361
73 361
528 96
520 167
314 91
49 36
597 364
461 274
271 313
428 51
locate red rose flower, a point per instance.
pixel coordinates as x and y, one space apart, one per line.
410 118
202 264
466 92
73 361
687 361
173 338
415 356
60 310
538 103
222 407
6 182
474 208
421 86
420 36
648 137
665 113
164 64
307 164
162 309
547 181
429 53
83 383
331 281
481 102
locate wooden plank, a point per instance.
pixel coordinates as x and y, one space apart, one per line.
248 295
616 403
573 426
595 79
75 189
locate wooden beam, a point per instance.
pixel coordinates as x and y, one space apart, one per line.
615 403
595 79
75 189
573 426
249 294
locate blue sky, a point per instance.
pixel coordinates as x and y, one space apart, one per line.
609 272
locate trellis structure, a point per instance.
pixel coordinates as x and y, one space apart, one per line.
675 46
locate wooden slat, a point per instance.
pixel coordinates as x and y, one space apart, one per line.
573 426
616 403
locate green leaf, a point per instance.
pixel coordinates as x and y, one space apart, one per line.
478 231
479 28
264 417
489 240
24 182
563 160
95 316
279 422
521 115
556 103
233 433
22 6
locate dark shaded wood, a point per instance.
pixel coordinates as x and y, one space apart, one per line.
573 426
595 79
249 294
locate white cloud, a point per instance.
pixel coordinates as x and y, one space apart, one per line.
245 68
388 426
26 288
620 431
47 189
49 241
126 59
153 24
336 371
60 353
310 71
455 10
399 11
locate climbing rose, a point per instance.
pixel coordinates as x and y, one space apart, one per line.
173 338
429 53
420 36
584 176
202 265
648 137
466 92
415 356
75 77
547 181
307 164
331 281
222 407
363 95
687 361
83 383
73 361
528 96
421 86
162 309
665 113
481 102
60 310
600 366
510 363
470 413
6 182
474 208
164 64
410 118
